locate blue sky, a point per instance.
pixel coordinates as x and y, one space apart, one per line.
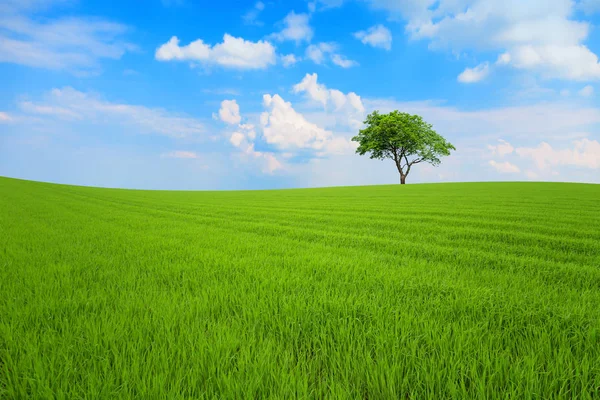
181 94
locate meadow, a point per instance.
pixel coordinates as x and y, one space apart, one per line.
429 291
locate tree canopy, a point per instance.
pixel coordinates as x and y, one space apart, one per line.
407 139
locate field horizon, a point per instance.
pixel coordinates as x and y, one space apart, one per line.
447 290
299 187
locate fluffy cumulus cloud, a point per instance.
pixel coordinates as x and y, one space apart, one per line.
296 28
585 153
472 75
243 137
288 130
231 53
504 167
349 107
376 36
230 112
68 104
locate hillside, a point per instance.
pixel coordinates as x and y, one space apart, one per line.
474 290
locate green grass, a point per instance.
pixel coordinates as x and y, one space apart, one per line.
475 290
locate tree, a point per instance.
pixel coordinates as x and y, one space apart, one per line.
404 138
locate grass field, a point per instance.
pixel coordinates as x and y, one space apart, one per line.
475 290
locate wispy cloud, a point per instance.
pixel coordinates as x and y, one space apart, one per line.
74 44
251 17
190 155
70 105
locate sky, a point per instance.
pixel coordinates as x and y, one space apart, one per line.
203 95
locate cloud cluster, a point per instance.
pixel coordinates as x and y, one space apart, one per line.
349 106
244 136
288 130
585 153
537 35
231 53
542 36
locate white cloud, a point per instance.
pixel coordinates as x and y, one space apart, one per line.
231 53
472 75
342 61
243 139
343 109
288 130
534 35
230 112
501 149
296 28
316 91
586 91
319 93
251 17
504 167
5 117
376 36
180 154
236 139
73 44
318 53
68 104
312 6
289 60
585 153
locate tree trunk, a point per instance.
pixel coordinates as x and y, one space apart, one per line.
402 179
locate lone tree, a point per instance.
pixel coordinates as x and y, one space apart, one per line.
404 138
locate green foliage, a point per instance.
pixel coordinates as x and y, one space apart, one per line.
407 139
464 291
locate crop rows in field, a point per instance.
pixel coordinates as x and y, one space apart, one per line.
481 290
